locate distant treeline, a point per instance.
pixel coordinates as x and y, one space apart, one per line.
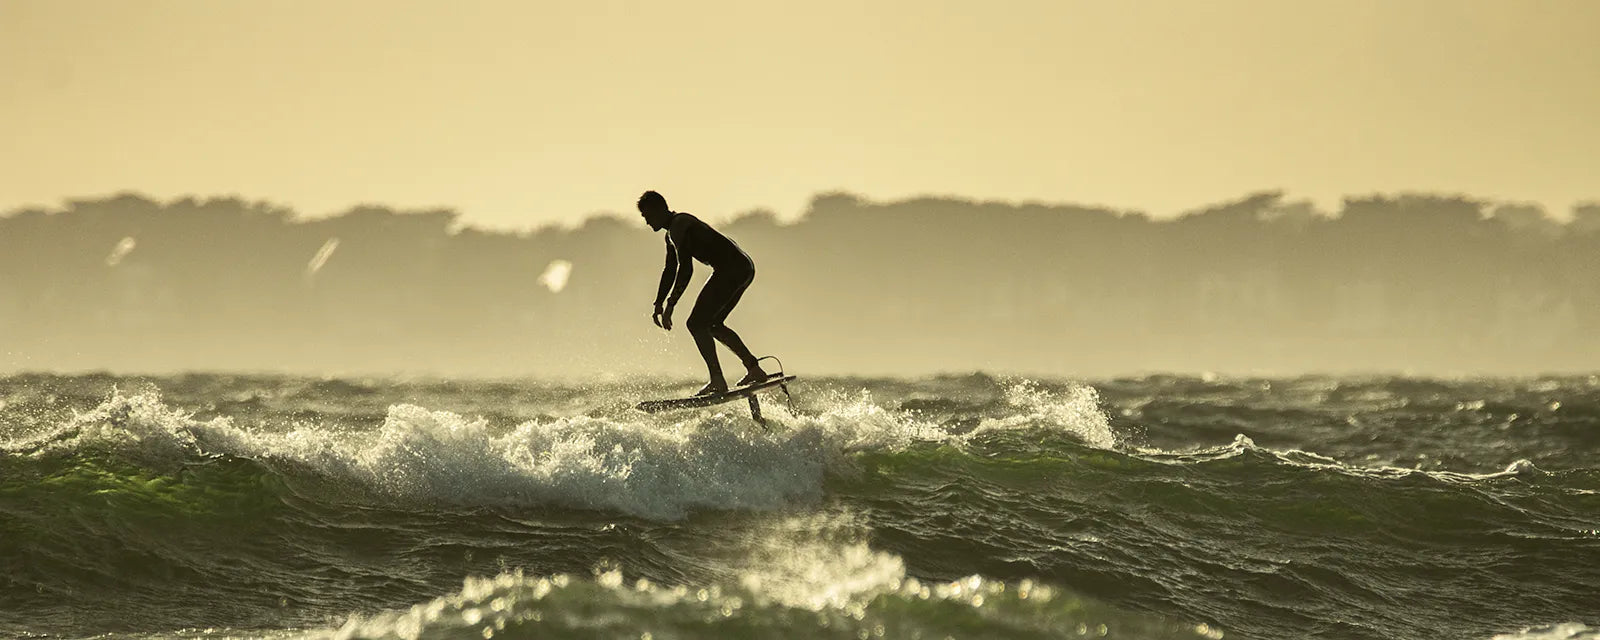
1419 283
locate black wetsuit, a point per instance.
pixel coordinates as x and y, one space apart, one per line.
732 272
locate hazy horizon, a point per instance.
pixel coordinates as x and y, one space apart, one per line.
624 207
1260 284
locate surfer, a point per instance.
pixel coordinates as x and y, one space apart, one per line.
732 270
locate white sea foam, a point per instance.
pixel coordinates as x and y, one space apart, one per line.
1076 412
650 466
1566 631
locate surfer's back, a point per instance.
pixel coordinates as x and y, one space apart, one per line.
705 244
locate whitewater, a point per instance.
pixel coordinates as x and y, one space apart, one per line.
955 506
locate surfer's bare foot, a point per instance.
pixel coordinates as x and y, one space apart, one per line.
755 375
712 388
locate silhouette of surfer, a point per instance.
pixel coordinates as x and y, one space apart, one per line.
690 239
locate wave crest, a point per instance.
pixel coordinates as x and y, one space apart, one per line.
659 467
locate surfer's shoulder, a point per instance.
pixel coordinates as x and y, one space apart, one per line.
683 224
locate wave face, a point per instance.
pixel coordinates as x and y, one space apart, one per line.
1157 507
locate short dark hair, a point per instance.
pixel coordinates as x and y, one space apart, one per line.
653 200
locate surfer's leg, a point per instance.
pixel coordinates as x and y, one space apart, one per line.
727 336
753 372
705 317
708 352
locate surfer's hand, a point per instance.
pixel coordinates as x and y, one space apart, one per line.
656 317
666 319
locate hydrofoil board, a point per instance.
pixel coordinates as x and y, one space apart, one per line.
747 391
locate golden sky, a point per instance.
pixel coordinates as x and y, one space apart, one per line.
525 113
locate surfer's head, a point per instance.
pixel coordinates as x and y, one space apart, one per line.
653 208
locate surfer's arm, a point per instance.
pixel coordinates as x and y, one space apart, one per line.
669 273
679 234
681 281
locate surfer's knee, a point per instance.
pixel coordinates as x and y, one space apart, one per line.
698 324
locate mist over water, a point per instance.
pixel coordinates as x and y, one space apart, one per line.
962 506
1409 283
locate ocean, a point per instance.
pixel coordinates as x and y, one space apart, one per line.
970 506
